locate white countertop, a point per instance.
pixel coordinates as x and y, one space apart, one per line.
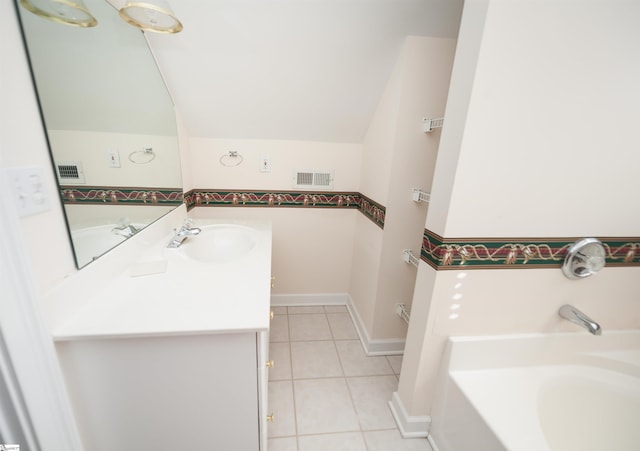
188 297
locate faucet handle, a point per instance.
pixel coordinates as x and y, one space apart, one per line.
188 223
124 221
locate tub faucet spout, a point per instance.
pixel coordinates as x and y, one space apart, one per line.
574 315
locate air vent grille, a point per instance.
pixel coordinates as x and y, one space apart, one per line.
322 179
313 179
70 173
304 178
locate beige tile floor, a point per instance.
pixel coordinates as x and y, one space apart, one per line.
324 392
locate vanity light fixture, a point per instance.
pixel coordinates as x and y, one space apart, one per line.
67 12
151 15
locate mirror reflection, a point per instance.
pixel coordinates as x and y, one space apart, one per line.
110 124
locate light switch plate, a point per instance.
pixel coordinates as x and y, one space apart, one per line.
265 164
29 189
113 158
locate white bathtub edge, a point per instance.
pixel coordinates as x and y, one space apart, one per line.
409 426
466 416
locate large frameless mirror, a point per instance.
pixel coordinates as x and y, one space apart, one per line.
110 124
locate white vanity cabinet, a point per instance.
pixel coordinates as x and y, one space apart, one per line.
174 359
180 392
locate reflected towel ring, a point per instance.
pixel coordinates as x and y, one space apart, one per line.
142 156
232 159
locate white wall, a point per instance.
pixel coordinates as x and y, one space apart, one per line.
90 148
308 255
489 302
24 144
526 156
26 270
379 140
426 64
286 157
550 141
398 156
374 183
88 215
367 254
185 154
310 245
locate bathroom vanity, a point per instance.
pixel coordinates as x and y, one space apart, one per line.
172 353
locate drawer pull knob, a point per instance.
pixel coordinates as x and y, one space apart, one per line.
271 314
269 364
270 418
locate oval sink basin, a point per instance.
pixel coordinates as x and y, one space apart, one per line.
220 243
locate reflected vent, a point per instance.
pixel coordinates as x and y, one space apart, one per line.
70 173
313 180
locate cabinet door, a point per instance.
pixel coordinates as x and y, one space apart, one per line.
194 392
263 380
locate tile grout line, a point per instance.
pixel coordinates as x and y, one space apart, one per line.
343 377
346 382
360 431
293 389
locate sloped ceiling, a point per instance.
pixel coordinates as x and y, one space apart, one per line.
290 69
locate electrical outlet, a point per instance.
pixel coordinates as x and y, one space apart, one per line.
265 164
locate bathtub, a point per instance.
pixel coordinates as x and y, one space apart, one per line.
558 392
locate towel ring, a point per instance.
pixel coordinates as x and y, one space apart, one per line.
142 156
232 159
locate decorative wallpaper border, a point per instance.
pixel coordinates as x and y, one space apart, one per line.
438 252
119 195
503 253
319 199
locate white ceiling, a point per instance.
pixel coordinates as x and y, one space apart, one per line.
290 69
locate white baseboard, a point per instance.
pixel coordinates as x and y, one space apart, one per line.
280 300
373 347
434 447
409 426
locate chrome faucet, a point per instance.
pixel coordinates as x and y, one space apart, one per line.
185 231
574 315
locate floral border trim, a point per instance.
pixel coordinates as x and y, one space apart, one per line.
120 195
322 199
372 210
503 253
